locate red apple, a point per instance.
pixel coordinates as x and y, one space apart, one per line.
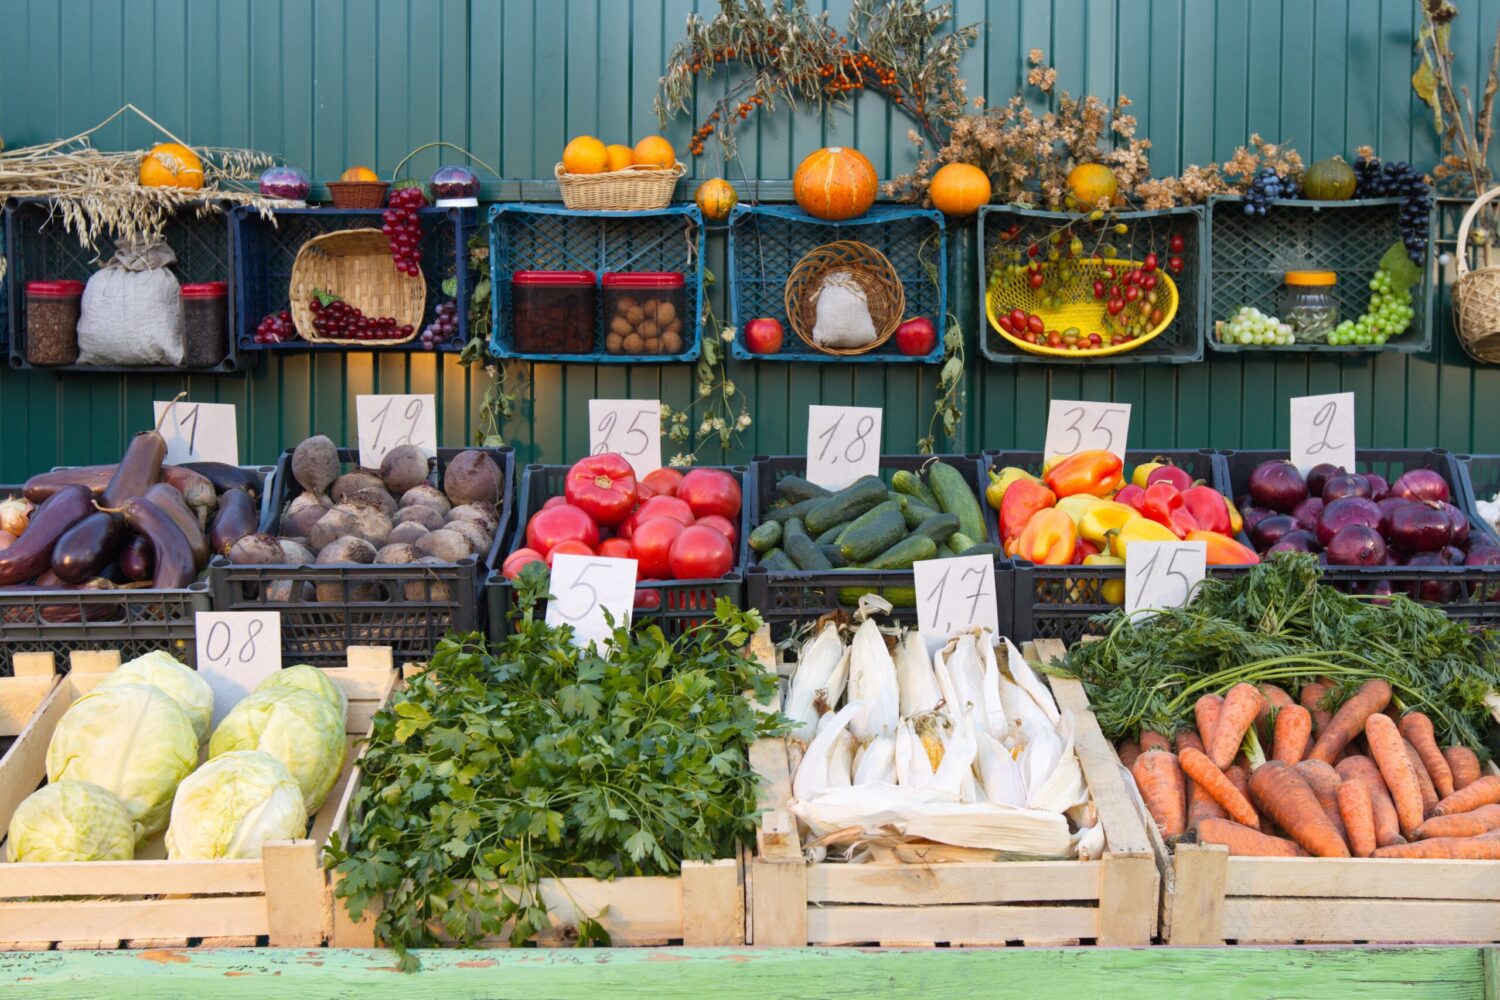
916 336
763 336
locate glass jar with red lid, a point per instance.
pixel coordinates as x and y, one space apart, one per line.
205 323
553 312
645 312
52 322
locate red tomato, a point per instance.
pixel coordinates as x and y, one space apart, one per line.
652 546
561 523
615 548
659 506
710 491
568 548
700 553
643 492
603 485
554 502
663 481
627 529
647 599
722 525
519 560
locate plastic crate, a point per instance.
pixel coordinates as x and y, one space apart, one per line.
266 248
1146 232
767 241
1250 255
41 248
783 598
535 237
681 604
1478 479
408 608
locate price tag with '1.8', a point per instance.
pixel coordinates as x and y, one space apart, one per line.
843 444
236 651
955 594
198 432
628 427
1162 574
1075 425
384 422
1323 430
583 588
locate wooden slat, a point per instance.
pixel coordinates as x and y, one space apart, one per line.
1370 878
106 919
1122 826
951 924
713 904
33 665
1263 919
24 768
19 698
779 915
1129 897
948 884
130 878
1194 910
296 894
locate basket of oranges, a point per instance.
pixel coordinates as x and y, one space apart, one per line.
1080 307
594 177
358 187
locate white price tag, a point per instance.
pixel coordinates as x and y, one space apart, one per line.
628 427
954 595
843 444
1162 574
199 432
1075 425
583 587
387 421
1323 430
236 651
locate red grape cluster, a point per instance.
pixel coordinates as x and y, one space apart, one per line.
275 328
403 229
443 326
338 320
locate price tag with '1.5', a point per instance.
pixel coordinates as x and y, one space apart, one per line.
1162 574
1323 430
583 588
843 444
198 432
628 427
955 594
386 422
1075 425
236 651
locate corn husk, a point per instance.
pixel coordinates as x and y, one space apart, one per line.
975 683
1062 787
819 665
872 683
841 760
958 757
1090 843
929 814
999 774
915 681
812 774
913 768
876 764
1027 679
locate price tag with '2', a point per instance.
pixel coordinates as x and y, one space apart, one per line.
236 651
628 427
1075 425
388 421
583 588
843 444
1162 574
955 594
1323 430
198 432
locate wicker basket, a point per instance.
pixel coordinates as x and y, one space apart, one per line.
875 274
358 194
634 189
1476 294
355 265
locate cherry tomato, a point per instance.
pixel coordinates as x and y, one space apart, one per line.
1018 318
519 560
1035 279
1174 264
616 548
561 523
700 553
1035 324
1115 305
1132 292
1005 324
1098 289
663 481
651 545
554 502
710 491
673 507
722 525
1148 282
1177 244
1149 264
569 548
1033 250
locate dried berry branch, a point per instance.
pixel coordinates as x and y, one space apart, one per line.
1465 136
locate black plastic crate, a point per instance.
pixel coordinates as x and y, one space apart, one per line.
408 608
679 604
1479 479
40 248
266 248
783 598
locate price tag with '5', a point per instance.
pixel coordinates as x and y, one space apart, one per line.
1162 574
236 651
954 595
843 444
583 587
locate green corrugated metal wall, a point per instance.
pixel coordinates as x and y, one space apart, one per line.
328 83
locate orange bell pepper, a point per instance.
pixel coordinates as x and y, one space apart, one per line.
1049 538
1093 472
1023 498
1221 550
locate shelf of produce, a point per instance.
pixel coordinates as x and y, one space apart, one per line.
1248 257
406 607
266 248
541 237
281 898
40 248
673 605
767 241
1146 232
1111 901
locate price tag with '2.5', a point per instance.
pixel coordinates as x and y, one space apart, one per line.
198 432
628 427
1162 574
955 594
843 444
236 651
1323 430
388 421
1075 425
583 588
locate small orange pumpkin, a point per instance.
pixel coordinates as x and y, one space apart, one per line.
835 183
715 198
959 189
170 164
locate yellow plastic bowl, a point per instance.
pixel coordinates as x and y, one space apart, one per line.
1080 308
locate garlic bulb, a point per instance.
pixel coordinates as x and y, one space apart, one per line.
15 515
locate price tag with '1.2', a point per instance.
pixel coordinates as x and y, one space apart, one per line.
628 427
1162 574
385 422
954 595
583 588
843 444
1075 425
198 432
1323 431
236 651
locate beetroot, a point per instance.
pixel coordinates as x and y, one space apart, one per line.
1420 484
1419 527
1318 476
1296 540
1268 531
1278 485
1346 512
1347 485
1356 545
1307 512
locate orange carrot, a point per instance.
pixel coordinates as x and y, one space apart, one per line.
1482 792
1358 813
1417 728
1244 842
1200 769
1206 715
1464 764
1363 770
1293 731
1129 750
1469 824
1389 751
1187 738
1372 696
1285 796
1201 805
1160 781
1271 698
1152 740
1446 848
1324 781
1424 780
1311 698
1239 777
1235 719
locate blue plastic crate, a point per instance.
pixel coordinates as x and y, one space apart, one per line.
767 241
539 237
265 250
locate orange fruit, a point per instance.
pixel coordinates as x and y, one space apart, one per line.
585 155
835 183
359 174
620 156
171 165
1092 184
959 189
654 151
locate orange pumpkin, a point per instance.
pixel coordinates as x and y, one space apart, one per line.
715 198
835 183
170 164
1092 183
959 189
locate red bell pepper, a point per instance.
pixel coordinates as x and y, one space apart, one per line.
1082 549
1221 550
1170 474
1093 472
1207 506
1182 522
1131 496
603 486
1022 499
1159 501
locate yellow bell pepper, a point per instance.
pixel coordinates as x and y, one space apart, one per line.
1104 516
1111 589
1076 506
1143 472
1142 529
1236 522
1001 481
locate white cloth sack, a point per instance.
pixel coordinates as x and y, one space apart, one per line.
843 313
131 312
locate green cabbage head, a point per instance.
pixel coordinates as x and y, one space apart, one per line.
306 677
232 805
161 670
70 821
300 729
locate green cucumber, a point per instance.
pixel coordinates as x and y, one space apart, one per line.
900 597
803 550
982 549
795 488
958 541
916 512
777 561
800 509
956 496
831 536
766 537
872 533
911 484
910 549
899 499
845 505
834 556
938 527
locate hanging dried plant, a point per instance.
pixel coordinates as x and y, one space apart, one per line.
1464 168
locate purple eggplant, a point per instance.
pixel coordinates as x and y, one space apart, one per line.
90 545
237 517
137 559
175 567
174 506
31 554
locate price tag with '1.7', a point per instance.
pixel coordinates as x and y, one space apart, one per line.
1075 425
1323 430
628 427
955 594
198 432
843 444
385 422
236 651
583 588
1162 574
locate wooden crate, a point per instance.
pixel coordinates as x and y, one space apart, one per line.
152 902
1110 901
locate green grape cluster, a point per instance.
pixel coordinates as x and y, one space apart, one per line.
1250 327
1389 314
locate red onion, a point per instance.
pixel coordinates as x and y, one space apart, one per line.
1345 512
1356 545
1420 484
1277 485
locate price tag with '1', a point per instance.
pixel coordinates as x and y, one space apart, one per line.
198 432
1162 574
1323 431
236 651
954 595
1075 425
385 422
628 427
583 587
843 444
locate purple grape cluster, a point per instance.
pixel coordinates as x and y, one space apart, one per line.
443 326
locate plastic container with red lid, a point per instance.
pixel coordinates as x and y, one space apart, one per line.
205 323
644 312
206 290
52 322
553 312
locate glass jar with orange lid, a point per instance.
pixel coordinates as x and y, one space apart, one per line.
1309 305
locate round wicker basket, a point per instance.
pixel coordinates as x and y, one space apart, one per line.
355 265
869 267
633 189
1476 293
358 194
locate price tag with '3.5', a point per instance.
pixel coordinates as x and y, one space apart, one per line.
584 587
236 651
843 444
1075 425
628 427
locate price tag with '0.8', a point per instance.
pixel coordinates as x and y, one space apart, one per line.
1323 431
583 588
954 595
385 422
843 444
630 428
198 432
1075 425
1162 574
236 651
